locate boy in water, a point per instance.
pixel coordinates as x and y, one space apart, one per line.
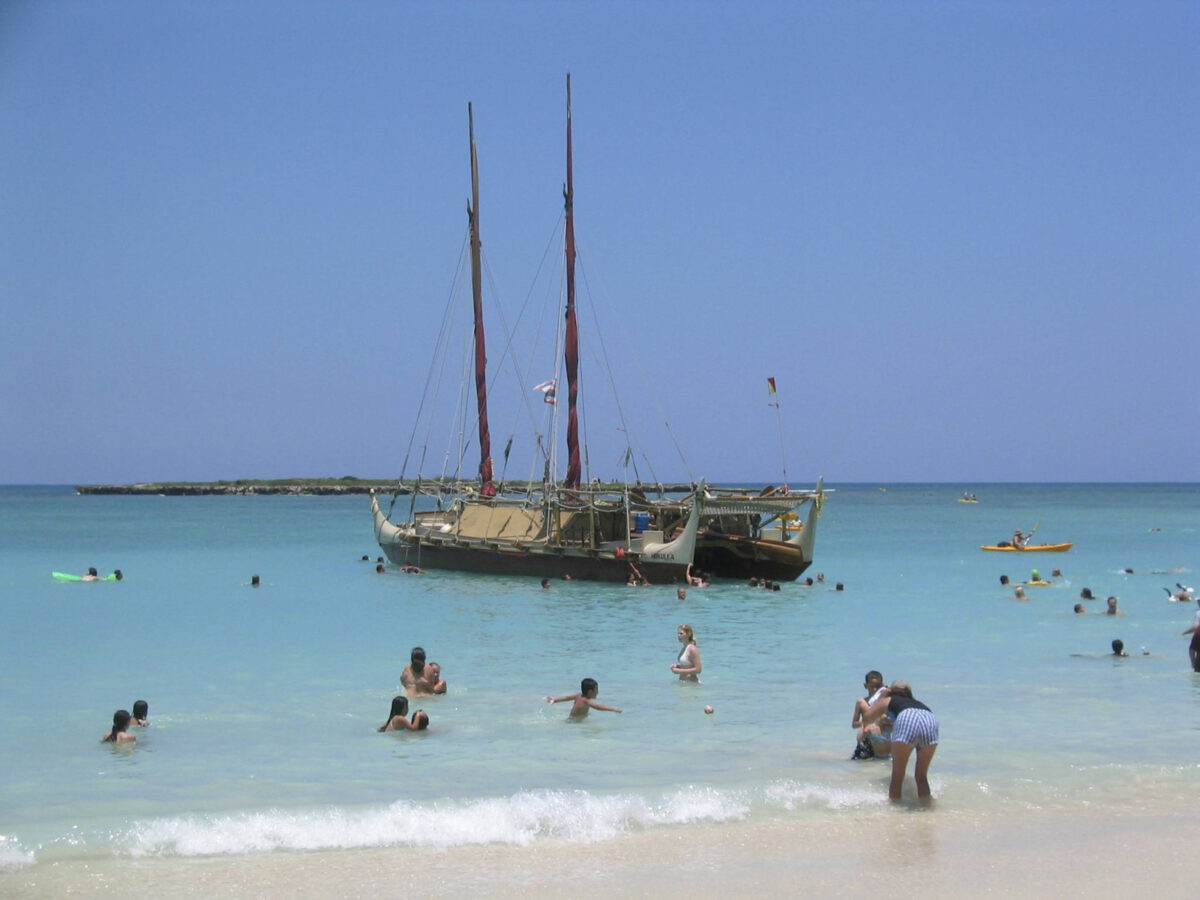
874 740
433 673
584 700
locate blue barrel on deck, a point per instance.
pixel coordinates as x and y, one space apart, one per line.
641 522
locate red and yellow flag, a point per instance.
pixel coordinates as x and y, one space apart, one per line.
771 386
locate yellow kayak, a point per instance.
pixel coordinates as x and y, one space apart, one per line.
1030 548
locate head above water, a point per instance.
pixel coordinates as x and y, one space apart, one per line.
141 709
589 687
686 632
120 724
399 708
873 680
421 719
1118 647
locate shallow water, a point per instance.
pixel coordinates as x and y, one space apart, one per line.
264 701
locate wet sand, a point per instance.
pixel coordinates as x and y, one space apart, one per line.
903 853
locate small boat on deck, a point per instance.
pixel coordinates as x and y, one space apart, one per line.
1029 548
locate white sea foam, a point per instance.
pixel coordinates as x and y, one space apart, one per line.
519 820
13 855
792 795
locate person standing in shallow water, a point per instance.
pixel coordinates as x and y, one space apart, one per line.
1194 647
914 728
687 666
413 677
589 688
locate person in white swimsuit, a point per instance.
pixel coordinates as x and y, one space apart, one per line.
687 666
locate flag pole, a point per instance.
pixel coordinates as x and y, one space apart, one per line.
779 422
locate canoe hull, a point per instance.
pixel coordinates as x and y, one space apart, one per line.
1032 548
730 556
532 563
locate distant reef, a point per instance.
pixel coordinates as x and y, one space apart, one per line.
250 486
304 486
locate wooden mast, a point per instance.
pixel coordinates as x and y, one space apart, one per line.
571 352
486 487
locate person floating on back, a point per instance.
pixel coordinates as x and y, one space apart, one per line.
584 700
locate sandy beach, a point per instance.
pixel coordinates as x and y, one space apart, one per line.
906 852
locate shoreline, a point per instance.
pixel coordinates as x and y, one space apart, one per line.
1099 850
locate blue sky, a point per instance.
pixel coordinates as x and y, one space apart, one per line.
961 236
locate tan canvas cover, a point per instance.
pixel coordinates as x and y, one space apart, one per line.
503 523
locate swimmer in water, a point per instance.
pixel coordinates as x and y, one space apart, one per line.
396 717
398 711
584 700
120 729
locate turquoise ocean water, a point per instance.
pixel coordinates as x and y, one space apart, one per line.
264 702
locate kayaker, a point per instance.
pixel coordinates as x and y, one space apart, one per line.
1020 539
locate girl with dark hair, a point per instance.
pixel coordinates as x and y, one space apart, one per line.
419 722
396 716
141 713
120 729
